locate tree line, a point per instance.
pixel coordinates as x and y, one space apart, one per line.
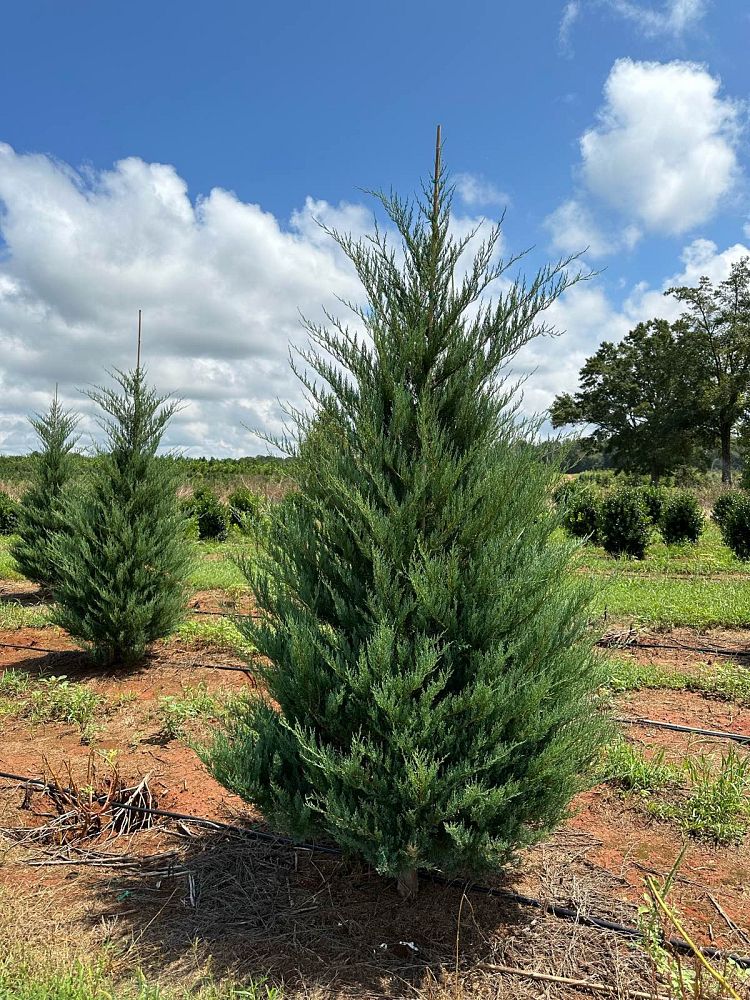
669 393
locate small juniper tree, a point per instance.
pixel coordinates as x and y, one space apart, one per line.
429 675
123 558
40 510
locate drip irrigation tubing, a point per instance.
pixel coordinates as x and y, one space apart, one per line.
561 912
629 643
653 723
676 727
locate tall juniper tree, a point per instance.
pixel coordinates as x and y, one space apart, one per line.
40 511
123 560
429 676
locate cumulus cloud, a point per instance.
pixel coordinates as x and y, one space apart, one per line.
588 315
476 192
573 228
699 258
221 283
663 151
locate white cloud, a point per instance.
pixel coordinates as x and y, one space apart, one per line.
674 17
664 149
571 13
585 316
476 192
221 284
699 258
573 228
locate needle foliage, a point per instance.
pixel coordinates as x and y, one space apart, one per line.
429 679
123 559
40 510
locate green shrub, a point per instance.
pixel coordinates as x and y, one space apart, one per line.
40 512
681 519
623 524
653 499
211 514
724 505
244 506
580 515
428 675
8 514
564 491
736 528
123 561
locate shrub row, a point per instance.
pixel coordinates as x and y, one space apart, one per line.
621 520
732 514
213 518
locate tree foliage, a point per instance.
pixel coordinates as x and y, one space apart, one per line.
717 319
40 515
641 396
428 689
122 558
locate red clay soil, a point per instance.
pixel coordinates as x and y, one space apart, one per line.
597 861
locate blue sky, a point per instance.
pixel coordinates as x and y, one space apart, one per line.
170 156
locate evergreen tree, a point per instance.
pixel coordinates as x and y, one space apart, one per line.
40 510
429 675
123 559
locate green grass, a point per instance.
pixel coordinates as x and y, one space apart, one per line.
706 557
718 805
727 681
14 615
8 569
195 702
216 568
25 980
669 603
626 766
219 632
707 799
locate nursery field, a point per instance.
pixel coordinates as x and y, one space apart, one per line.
196 901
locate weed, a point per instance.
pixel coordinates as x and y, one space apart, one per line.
729 681
718 806
56 699
689 978
89 981
221 633
175 711
627 766
14 682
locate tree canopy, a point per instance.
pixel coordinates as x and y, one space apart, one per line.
668 390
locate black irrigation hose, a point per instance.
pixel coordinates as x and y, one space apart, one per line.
717 733
562 912
653 723
628 644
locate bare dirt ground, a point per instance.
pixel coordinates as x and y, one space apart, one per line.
192 898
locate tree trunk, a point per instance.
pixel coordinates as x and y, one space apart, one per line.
408 883
726 455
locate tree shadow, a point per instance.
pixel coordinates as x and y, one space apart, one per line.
314 921
26 598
